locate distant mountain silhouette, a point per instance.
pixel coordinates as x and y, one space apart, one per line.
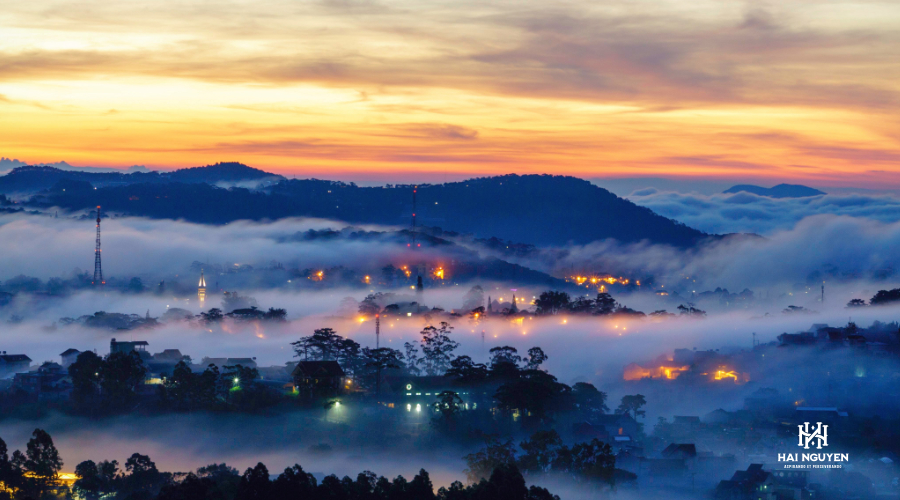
31 179
537 209
779 191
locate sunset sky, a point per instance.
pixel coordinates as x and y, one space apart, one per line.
797 91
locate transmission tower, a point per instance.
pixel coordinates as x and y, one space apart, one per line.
377 331
415 189
98 269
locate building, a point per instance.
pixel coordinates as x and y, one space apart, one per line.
50 381
417 394
758 484
319 379
139 346
201 289
69 356
13 363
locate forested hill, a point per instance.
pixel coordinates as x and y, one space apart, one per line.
32 179
538 209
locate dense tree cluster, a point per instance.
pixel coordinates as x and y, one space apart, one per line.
546 454
556 302
35 475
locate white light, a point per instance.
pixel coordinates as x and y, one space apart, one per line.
409 314
337 403
418 407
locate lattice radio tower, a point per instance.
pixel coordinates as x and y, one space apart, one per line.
98 269
377 331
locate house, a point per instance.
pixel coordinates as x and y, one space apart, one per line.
138 346
69 356
758 484
682 451
49 381
318 379
13 363
617 425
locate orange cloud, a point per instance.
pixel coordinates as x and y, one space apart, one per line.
801 92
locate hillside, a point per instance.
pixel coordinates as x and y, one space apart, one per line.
537 209
33 179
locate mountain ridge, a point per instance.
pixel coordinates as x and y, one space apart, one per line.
779 191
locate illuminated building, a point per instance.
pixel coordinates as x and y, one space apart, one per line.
201 289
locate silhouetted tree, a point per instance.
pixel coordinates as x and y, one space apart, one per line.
437 348
551 302
631 405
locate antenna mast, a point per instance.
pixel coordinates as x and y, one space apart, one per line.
415 189
377 331
98 269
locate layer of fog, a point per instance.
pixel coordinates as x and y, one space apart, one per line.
581 349
819 248
748 213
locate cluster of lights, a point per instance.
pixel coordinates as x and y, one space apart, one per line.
594 280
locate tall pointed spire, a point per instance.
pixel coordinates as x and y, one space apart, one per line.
513 309
201 288
98 269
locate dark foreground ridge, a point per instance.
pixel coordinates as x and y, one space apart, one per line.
536 209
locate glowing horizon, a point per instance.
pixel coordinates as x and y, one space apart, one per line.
804 92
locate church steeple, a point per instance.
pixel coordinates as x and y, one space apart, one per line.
201 289
513 309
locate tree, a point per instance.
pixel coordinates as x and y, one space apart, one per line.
10 474
95 480
292 484
551 302
505 362
143 479
323 345
885 297
412 359
41 464
535 358
135 285
592 461
378 360
536 392
495 454
587 398
856 303
191 487
437 348
541 451
604 304
85 373
214 315
581 305
690 310
254 484
277 315
120 376
631 405
466 371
